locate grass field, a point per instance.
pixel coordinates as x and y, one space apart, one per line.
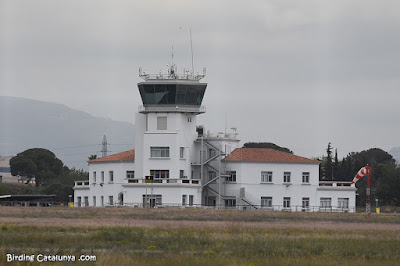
133 236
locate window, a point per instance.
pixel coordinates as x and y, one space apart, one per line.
191 200
111 200
212 153
305 203
102 200
159 152
189 119
183 200
79 202
343 203
229 203
130 174
266 177
211 175
102 176
182 152
162 123
266 201
111 175
231 177
159 173
94 201
306 177
325 202
181 174
286 202
94 177
286 177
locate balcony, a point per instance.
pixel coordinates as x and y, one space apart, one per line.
166 181
335 185
81 184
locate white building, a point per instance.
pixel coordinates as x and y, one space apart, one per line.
190 167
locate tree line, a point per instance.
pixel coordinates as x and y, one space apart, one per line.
50 174
384 178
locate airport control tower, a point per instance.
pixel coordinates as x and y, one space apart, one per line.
166 129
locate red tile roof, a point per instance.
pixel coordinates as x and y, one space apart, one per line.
265 155
122 156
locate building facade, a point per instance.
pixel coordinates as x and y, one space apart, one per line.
177 163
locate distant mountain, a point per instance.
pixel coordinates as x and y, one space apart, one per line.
71 134
395 152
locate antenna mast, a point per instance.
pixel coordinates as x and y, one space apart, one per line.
191 49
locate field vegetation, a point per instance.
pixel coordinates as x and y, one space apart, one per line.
134 236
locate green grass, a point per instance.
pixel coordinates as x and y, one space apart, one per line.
197 246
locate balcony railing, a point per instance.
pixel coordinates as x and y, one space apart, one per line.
84 183
335 184
166 181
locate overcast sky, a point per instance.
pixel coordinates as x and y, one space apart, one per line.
296 73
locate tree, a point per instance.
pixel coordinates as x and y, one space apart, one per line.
92 157
327 163
37 163
266 145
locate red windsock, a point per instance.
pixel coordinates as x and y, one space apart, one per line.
363 171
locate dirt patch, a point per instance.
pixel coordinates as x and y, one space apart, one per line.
105 222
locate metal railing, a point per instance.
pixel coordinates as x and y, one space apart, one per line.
276 208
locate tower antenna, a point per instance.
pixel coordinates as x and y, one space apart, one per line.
191 49
172 55
104 144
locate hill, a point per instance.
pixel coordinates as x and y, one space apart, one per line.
71 134
395 152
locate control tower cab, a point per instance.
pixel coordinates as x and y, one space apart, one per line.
172 92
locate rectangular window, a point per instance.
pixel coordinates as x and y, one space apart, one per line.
102 200
231 177
111 175
111 200
286 177
183 200
343 203
102 176
266 201
162 123
229 203
94 201
86 201
159 173
326 202
286 202
130 174
94 177
266 177
159 152
211 175
305 203
79 202
181 174
306 177
182 152
191 197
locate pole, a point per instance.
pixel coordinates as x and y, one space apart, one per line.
191 50
367 199
146 197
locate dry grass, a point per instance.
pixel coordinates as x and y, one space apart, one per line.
131 236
